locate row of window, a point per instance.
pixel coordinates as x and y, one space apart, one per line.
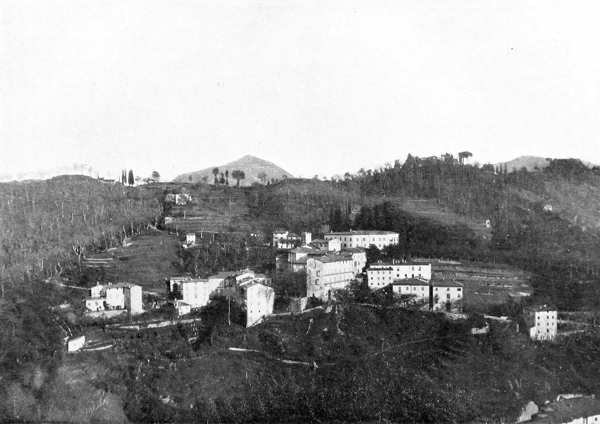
387 270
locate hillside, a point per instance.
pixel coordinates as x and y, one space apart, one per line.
256 170
439 210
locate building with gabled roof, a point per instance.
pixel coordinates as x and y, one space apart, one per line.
382 273
440 295
364 238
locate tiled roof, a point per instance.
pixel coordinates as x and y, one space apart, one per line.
542 308
188 279
398 263
304 249
445 283
360 233
222 274
120 285
354 250
333 258
410 282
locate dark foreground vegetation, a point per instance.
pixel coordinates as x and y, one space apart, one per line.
365 364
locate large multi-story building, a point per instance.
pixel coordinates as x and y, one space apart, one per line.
380 274
325 274
439 295
364 238
545 324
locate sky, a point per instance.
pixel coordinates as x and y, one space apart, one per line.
315 86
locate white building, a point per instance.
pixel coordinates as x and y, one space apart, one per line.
182 199
545 324
133 299
306 238
447 295
279 235
381 274
418 289
190 239
328 273
298 256
182 307
359 258
249 288
75 343
258 300
115 297
194 292
94 304
283 239
365 238
332 245
252 291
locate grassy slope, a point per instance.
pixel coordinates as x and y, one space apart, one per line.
147 261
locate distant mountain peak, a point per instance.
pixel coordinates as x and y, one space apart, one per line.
75 168
252 166
532 163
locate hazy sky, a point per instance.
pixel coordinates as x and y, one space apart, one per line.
314 86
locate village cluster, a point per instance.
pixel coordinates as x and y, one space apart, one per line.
331 263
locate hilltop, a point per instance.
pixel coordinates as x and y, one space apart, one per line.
252 167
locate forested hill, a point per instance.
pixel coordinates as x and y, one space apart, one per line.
42 223
544 221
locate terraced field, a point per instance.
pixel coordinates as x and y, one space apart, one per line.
484 283
147 261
